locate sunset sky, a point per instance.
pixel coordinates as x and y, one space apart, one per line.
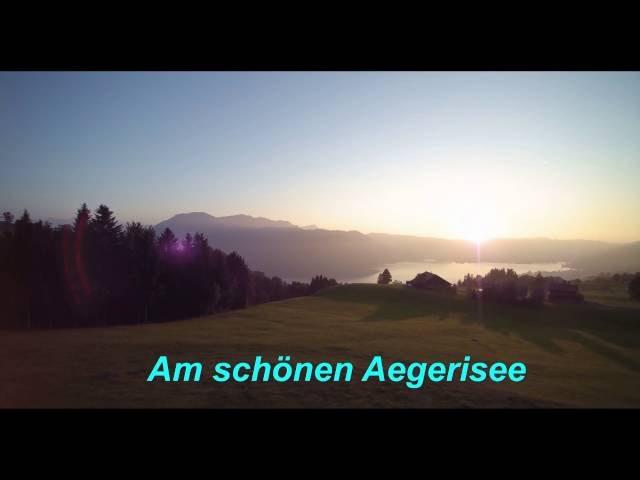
464 155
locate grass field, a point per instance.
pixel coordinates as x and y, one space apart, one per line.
577 355
615 297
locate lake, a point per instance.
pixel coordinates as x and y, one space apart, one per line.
453 271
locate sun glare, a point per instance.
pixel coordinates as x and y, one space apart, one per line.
476 236
479 229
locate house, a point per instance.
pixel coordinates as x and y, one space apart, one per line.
430 281
562 291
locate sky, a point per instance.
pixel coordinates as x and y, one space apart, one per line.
471 155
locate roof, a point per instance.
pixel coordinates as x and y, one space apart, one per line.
429 280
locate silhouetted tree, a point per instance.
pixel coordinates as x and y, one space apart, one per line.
142 263
537 290
239 281
167 241
107 262
22 264
384 278
83 215
501 285
470 281
319 282
75 265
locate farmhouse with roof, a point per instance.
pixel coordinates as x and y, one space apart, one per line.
562 291
430 281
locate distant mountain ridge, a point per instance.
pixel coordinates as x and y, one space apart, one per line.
204 220
281 248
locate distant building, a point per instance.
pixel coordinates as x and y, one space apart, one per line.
430 281
562 291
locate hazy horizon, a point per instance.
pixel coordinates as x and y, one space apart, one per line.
69 219
465 155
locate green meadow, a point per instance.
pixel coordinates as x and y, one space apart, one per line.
577 355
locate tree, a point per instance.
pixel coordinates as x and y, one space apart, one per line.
500 285
470 281
167 241
537 290
142 263
23 263
634 287
26 218
186 245
319 282
82 218
8 217
105 223
240 281
384 278
76 252
107 262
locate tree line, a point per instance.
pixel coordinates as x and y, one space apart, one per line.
506 286
97 272
614 282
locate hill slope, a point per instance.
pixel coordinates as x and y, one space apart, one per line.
576 355
621 258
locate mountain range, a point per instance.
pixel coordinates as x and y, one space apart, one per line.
278 247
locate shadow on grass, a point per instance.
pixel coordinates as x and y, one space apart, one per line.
596 327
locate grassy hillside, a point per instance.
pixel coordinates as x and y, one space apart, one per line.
579 355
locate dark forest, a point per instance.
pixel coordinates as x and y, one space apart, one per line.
97 272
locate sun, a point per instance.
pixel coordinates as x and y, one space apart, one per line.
479 228
477 236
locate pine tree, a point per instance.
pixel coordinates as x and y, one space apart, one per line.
240 280
26 218
107 261
142 267
187 244
319 282
82 218
23 262
105 223
77 278
167 241
384 278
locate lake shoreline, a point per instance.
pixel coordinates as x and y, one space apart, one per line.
454 271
